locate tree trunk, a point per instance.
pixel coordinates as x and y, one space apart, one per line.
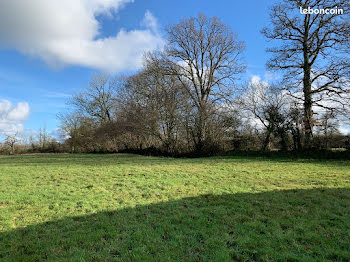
267 141
308 123
12 149
284 143
296 138
200 129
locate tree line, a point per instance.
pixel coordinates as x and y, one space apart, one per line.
188 98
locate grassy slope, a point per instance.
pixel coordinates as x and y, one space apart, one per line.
127 207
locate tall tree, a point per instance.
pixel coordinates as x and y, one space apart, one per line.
205 55
313 52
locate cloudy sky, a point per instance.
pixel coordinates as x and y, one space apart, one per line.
49 49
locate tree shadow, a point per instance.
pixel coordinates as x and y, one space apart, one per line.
293 225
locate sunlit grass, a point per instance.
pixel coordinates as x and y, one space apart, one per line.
128 207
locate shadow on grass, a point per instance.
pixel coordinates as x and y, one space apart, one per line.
293 225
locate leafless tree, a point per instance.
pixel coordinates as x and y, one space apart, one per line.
97 100
70 123
328 126
169 101
11 140
152 104
313 52
135 121
43 137
269 105
206 56
296 124
78 131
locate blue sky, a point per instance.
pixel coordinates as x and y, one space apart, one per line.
44 77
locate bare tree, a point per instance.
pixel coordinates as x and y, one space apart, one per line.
11 140
328 125
43 138
136 120
268 105
152 104
78 131
169 101
295 124
98 100
205 55
70 123
314 53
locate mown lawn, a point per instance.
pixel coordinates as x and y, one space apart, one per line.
132 208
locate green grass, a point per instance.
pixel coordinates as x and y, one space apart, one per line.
134 208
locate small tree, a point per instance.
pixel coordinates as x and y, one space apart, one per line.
267 104
78 131
328 125
11 140
43 138
296 124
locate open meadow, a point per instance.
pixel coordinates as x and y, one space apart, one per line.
122 207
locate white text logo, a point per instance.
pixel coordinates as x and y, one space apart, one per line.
322 11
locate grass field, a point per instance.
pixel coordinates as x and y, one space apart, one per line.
134 208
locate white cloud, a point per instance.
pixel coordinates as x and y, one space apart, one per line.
150 21
270 76
12 116
66 32
256 80
344 128
19 113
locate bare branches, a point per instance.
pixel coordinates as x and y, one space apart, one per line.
313 50
98 100
205 52
270 106
205 55
11 140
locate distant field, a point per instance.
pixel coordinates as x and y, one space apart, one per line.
132 208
